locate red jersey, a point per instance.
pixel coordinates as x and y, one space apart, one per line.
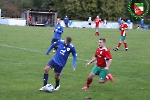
97 21
102 55
122 28
30 18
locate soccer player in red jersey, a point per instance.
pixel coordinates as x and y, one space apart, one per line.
30 20
103 60
122 28
97 21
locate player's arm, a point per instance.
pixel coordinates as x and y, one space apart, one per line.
74 54
91 61
109 59
126 27
60 31
51 47
108 64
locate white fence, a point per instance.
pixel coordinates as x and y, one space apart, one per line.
84 24
73 24
18 22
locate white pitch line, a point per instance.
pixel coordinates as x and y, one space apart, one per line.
5 45
25 49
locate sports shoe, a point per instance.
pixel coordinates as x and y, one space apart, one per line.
110 77
42 88
85 87
115 49
57 88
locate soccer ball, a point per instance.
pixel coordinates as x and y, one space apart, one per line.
49 88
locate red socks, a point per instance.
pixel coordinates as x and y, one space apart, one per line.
96 33
89 81
119 44
106 79
125 45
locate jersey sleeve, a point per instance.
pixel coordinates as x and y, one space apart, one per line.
60 30
95 53
100 20
74 54
126 26
52 46
108 54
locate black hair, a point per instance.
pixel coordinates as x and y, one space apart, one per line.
68 39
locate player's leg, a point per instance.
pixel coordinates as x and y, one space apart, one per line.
97 31
45 76
103 75
58 70
56 47
57 80
90 78
125 45
119 44
46 70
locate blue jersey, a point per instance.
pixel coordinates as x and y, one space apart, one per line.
66 20
142 22
62 53
58 31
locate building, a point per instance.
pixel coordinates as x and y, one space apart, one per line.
39 17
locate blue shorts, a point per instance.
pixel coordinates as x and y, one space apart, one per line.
54 40
57 68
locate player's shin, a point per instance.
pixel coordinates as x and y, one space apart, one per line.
119 44
45 79
57 82
125 45
89 81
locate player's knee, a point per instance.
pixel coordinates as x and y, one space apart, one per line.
56 76
91 75
46 69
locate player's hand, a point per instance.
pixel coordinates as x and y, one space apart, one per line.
106 68
56 30
74 69
87 64
47 53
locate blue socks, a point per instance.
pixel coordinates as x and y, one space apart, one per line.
45 79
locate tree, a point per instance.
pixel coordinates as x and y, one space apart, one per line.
112 9
9 9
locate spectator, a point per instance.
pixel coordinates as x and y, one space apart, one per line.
119 21
66 21
142 23
47 23
30 20
104 23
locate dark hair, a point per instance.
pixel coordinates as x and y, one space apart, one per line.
68 39
103 39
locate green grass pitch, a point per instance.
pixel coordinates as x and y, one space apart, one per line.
23 58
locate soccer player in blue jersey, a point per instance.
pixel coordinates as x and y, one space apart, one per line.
58 31
59 60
